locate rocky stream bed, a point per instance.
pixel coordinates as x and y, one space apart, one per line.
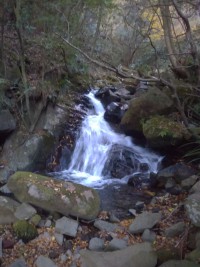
49 221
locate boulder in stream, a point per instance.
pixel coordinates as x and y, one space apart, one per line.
152 102
55 195
122 161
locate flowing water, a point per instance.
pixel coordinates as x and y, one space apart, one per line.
92 149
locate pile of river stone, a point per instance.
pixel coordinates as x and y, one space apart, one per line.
71 201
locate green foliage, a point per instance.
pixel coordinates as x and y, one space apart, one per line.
25 230
163 127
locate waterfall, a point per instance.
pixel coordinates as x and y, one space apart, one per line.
92 148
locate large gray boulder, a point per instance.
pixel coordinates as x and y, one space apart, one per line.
146 220
153 102
25 152
139 255
55 195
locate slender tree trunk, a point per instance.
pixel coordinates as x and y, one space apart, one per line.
17 9
97 32
167 28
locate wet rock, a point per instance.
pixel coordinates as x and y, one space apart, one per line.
139 255
114 112
107 95
178 172
146 220
103 225
55 195
66 226
192 206
43 261
147 104
8 207
148 236
19 263
179 263
175 229
96 244
25 212
122 161
116 244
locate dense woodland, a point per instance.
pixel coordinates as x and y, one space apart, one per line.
158 39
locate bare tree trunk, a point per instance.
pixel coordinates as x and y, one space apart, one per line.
189 37
167 27
97 32
22 58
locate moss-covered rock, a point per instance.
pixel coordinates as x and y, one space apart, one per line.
25 230
153 102
55 195
161 132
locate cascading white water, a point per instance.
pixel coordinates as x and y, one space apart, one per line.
92 148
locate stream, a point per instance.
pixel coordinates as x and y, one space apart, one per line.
91 158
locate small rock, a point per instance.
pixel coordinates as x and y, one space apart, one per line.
59 238
47 223
43 261
116 244
66 226
175 229
53 254
19 263
25 211
113 218
146 220
5 190
96 244
133 212
139 205
170 184
63 258
103 225
148 236
35 219
8 243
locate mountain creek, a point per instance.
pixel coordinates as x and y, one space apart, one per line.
84 190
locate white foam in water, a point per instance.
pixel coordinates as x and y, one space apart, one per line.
92 148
